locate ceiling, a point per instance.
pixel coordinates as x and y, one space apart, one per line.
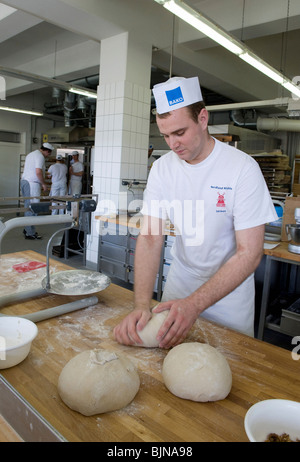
61 39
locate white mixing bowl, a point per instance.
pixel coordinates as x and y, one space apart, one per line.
273 416
16 335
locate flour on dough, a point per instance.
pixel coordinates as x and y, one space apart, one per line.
98 381
198 372
149 333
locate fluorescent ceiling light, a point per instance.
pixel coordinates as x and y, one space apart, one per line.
263 67
23 75
226 40
292 88
203 24
22 111
80 91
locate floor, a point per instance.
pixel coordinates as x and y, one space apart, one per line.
14 241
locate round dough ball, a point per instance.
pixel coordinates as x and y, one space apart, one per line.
97 381
198 372
149 333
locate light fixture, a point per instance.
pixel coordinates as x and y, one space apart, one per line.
262 67
226 40
203 24
56 83
80 91
22 111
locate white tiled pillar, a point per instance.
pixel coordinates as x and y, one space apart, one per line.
122 126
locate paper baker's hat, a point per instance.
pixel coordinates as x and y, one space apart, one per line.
175 93
48 146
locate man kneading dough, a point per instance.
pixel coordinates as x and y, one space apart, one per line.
217 199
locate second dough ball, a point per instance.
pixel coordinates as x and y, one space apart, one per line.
198 372
98 381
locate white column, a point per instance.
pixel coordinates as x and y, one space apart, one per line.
122 126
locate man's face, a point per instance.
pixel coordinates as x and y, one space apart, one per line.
46 152
183 135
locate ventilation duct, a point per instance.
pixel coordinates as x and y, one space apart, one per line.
249 119
244 118
276 124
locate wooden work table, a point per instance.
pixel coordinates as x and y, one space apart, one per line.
260 371
281 251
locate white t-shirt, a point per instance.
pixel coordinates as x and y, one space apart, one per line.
207 203
77 167
58 173
33 160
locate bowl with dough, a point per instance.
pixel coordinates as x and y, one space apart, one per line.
16 336
273 420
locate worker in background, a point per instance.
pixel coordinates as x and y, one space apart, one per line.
76 172
58 172
33 181
218 201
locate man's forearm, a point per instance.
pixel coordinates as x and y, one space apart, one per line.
231 274
146 264
40 176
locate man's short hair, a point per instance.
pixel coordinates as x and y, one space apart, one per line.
193 109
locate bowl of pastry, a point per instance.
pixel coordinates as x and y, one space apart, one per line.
273 420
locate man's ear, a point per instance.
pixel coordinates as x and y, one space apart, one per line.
203 118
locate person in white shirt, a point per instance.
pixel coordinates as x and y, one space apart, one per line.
33 181
58 172
218 201
76 172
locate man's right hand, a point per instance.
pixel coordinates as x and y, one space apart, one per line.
126 332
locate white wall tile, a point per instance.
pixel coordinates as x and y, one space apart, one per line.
116 154
120 89
128 106
127 120
126 139
112 90
117 138
119 105
118 121
128 89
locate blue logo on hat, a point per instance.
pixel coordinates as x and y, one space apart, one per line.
174 96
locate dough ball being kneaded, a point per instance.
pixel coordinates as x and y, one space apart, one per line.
149 333
198 372
98 381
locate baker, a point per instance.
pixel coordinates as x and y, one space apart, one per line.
76 171
33 181
218 201
58 172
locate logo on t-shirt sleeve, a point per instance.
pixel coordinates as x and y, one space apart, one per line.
174 96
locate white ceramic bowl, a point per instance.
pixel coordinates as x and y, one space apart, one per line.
16 335
273 416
